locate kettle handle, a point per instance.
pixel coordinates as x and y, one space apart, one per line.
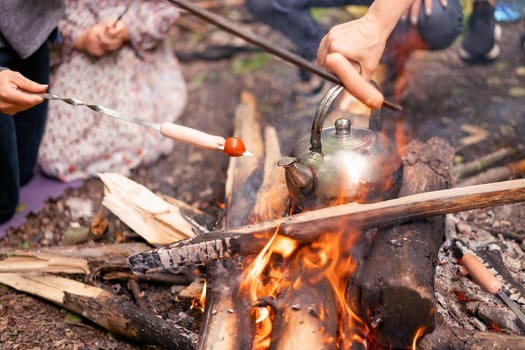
322 112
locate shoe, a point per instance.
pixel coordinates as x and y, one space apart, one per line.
507 13
480 43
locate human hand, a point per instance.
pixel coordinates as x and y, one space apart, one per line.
352 51
413 11
17 93
115 35
101 38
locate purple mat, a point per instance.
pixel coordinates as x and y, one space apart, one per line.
33 196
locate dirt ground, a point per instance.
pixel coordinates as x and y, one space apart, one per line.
443 95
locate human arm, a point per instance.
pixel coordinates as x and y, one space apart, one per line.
361 43
17 93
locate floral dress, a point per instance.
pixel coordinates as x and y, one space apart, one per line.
142 79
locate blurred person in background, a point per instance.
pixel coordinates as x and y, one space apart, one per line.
127 64
427 25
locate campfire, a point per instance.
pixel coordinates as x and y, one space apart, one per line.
374 275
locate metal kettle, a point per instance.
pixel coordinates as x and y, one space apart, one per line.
342 163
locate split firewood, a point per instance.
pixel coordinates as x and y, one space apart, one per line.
156 220
308 315
224 324
272 196
504 172
464 170
397 298
86 251
307 226
43 262
108 261
67 259
103 308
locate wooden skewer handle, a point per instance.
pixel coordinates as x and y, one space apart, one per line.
191 136
481 274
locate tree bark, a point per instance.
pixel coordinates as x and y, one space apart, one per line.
397 277
104 308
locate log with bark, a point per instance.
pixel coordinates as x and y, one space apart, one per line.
103 308
397 277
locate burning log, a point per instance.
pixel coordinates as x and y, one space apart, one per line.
397 277
305 227
103 308
224 317
236 318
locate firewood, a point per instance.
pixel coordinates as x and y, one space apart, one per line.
307 226
272 196
108 261
66 259
500 173
397 297
464 170
156 220
448 338
103 308
42 262
86 251
306 315
224 317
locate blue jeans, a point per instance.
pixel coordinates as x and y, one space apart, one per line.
21 134
293 19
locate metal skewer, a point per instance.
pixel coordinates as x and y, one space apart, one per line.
128 6
174 131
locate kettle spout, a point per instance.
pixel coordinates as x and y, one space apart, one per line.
299 177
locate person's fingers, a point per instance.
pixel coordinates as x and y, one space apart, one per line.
414 12
357 84
28 85
17 93
428 7
322 51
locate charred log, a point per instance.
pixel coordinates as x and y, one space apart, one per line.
397 277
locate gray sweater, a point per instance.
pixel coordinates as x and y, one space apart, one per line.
26 24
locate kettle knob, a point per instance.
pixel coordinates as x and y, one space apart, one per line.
342 126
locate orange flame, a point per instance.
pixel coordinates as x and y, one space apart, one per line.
199 303
419 333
